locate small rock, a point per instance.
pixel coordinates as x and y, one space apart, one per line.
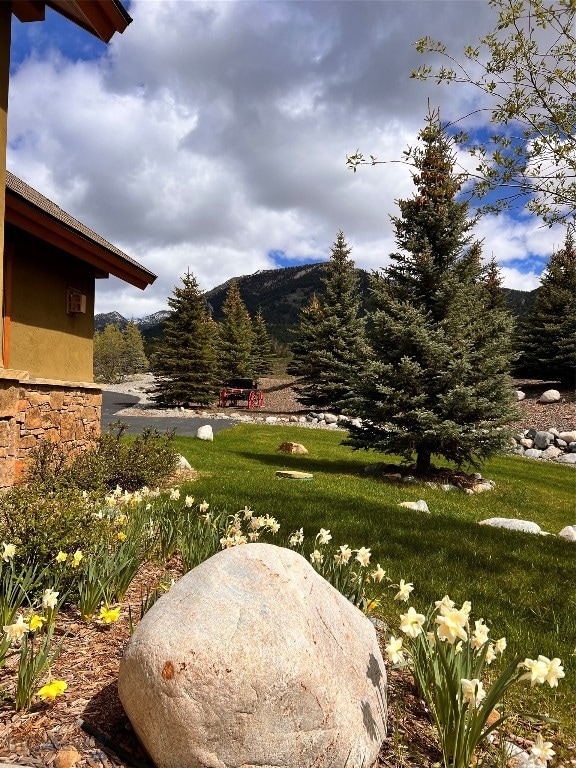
271 419
419 505
520 395
568 533
543 440
551 452
568 437
67 757
533 453
330 418
486 485
410 479
550 396
293 448
526 526
294 419
561 443
183 463
567 458
477 476
530 433
205 432
289 474
525 442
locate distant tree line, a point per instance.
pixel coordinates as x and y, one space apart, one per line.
118 354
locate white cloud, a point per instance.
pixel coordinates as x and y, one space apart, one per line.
212 133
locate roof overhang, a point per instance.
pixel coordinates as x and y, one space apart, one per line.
101 18
69 235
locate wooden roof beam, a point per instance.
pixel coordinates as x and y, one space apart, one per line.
29 10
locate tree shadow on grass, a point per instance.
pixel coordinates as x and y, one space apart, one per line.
306 463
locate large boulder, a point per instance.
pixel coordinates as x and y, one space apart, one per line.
253 659
550 396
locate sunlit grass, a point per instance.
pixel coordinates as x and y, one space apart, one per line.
524 586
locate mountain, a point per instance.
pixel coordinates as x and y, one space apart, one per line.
280 294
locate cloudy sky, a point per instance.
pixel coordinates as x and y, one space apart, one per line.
213 135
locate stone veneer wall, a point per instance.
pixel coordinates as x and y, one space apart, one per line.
32 410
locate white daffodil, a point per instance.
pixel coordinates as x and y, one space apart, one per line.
394 650
9 551
363 556
323 536
49 598
404 590
411 622
472 691
17 630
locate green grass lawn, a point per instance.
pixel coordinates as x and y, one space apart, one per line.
524 586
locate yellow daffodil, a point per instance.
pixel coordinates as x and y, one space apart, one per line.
121 536
50 691
472 691
49 598
61 557
411 622
542 750
394 650
9 551
109 615
17 630
77 557
324 536
121 520
404 590
372 605
35 621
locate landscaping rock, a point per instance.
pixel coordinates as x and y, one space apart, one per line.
183 464
293 448
550 396
253 659
526 526
419 505
567 458
543 440
205 432
568 533
568 437
484 485
552 452
290 474
533 453
330 418
520 395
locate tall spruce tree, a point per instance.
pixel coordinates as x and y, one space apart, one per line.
548 336
331 350
262 349
439 383
235 337
186 361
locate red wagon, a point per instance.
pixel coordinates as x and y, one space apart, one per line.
239 390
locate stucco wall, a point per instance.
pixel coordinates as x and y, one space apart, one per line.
32 410
45 340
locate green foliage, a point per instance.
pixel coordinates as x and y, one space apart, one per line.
186 363
438 383
42 522
118 354
15 586
330 351
525 69
262 351
36 656
235 337
548 336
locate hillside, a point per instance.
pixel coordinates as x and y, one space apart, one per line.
280 294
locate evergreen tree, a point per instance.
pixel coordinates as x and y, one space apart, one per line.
262 349
439 383
109 355
493 283
331 350
186 362
548 337
134 358
235 337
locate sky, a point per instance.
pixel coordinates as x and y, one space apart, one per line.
213 136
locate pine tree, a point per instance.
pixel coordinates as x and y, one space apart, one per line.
109 355
439 383
235 337
262 349
186 362
493 283
134 359
331 350
548 336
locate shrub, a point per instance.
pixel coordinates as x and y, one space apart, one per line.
147 460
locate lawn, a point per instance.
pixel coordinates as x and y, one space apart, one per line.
524 586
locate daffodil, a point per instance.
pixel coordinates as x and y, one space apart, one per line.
378 574
480 634
273 525
411 622
451 625
372 605
363 556
50 691
204 506
445 603
35 621
472 691
537 670
174 494
490 653
404 590
17 630
323 536
555 671
297 537
109 615
542 750
189 501
9 551
121 536
500 645
76 558
61 557
394 650
247 513
316 557
121 520
49 598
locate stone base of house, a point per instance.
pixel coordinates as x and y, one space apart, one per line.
32 410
